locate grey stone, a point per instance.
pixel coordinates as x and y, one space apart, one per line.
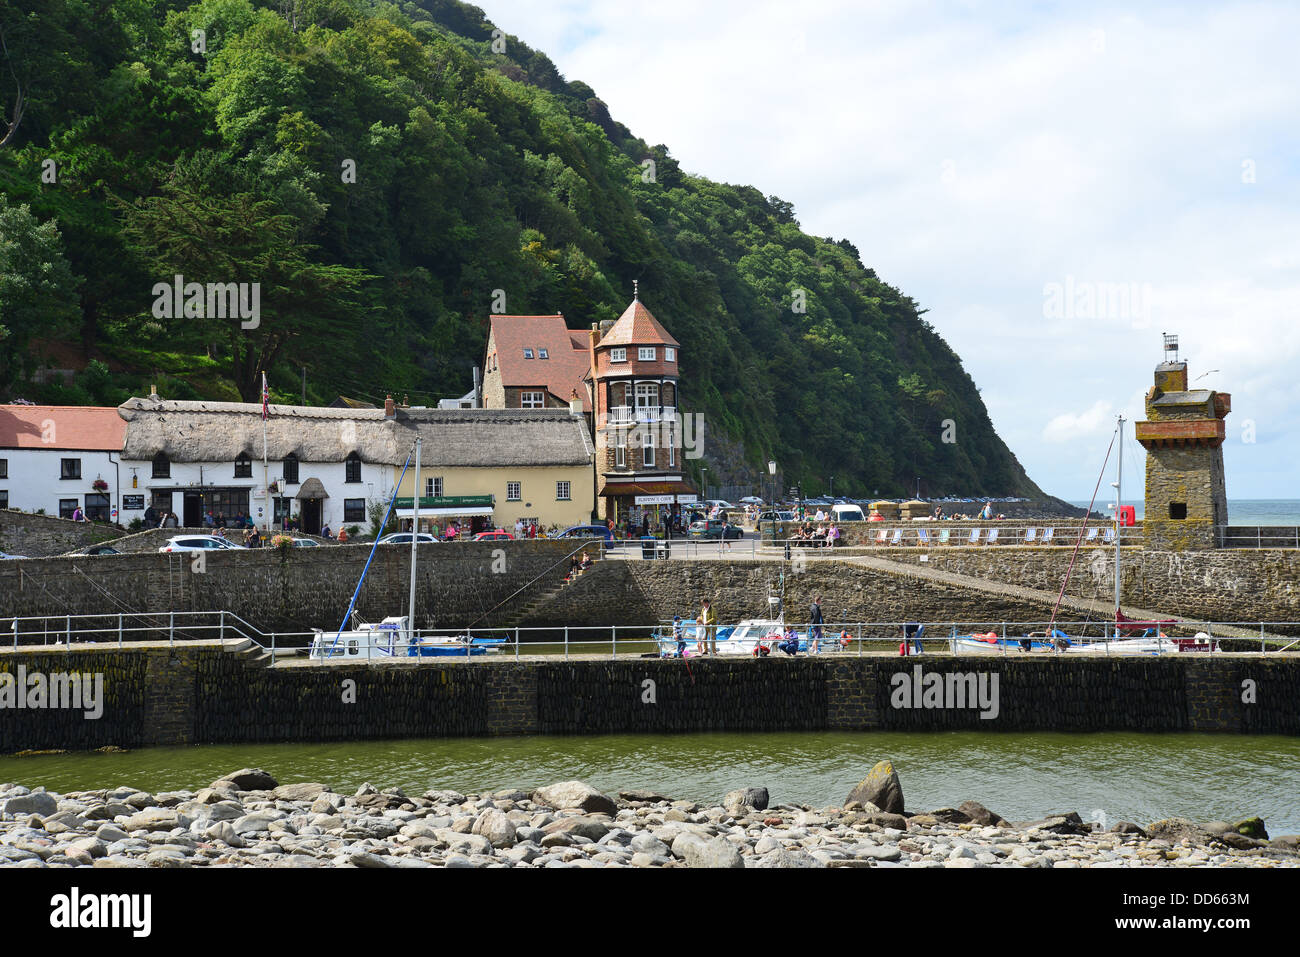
37 802
788 857
496 827
977 813
299 792
575 795
718 852
578 827
643 797
365 859
153 819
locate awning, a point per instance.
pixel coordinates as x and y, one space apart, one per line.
449 511
646 488
312 488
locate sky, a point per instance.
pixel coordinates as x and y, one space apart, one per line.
1057 184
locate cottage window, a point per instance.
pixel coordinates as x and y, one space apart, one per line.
647 396
514 492
67 506
670 354
162 466
620 450
618 355
531 400
648 450
70 469
561 491
1177 510
646 353
354 510
4 468
243 466
353 468
433 487
291 469
4 498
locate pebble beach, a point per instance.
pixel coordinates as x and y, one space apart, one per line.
248 819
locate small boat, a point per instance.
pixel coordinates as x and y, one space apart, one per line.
1059 642
738 639
392 638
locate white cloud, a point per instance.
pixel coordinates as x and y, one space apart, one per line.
1113 158
1072 427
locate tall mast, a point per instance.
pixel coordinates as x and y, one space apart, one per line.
1119 499
415 540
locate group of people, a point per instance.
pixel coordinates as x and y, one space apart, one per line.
822 536
706 639
985 514
578 565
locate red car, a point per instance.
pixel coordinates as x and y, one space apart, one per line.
496 536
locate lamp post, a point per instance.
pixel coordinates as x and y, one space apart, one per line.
771 471
704 484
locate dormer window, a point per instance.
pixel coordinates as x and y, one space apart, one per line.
646 353
618 355
528 353
541 354
670 354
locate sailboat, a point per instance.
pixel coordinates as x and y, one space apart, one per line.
395 637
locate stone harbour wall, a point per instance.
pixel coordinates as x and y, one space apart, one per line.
35 536
203 694
305 588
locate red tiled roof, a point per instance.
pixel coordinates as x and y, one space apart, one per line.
636 327
567 360
85 428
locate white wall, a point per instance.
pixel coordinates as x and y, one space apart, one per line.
34 483
376 482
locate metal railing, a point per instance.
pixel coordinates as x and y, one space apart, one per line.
842 637
1257 536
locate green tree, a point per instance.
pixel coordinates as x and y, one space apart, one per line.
38 291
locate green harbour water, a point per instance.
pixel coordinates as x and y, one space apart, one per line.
1109 777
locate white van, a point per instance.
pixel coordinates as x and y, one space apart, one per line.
847 513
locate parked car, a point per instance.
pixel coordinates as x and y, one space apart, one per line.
305 543
4 555
588 531
712 528
404 538
98 550
847 513
190 543
751 500
494 536
771 515
712 503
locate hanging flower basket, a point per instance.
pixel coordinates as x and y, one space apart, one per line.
99 485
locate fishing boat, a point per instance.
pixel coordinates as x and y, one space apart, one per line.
744 637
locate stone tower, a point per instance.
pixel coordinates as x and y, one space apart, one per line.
1186 500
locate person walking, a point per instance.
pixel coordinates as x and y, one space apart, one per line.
708 629
815 631
679 635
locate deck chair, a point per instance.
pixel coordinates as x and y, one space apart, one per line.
1091 534
882 536
1048 534
1031 536
974 536
898 537
945 535
992 538
1110 536
923 536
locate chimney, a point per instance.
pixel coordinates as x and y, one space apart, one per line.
153 392
390 410
478 388
575 403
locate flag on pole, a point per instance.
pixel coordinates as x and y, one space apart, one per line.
266 397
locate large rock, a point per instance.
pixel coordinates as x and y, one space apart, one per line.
642 796
718 852
977 813
880 787
1175 829
38 802
1067 823
1252 827
496 827
299 792
249 779
577 795
741 798
788 857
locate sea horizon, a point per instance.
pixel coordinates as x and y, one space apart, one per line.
1241 511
